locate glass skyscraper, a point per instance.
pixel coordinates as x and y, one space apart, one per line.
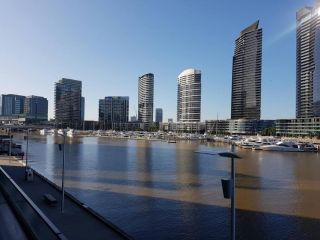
68 103
145 99
36 108
308 62
113 110
11 104
189 96
159 115
246 74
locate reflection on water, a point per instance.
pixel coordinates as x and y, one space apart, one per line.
167 191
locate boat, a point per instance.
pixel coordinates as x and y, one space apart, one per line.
247 145
283 147
70 133
60 132
43 131
51 131
308 147
260 145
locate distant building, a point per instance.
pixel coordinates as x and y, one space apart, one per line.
112 111
145 99
189 96
11 104
159 115
246 74
298 127
249 126
308 62
238 126
68 103
36 108
83 101
133 119
170 120
90 125
187 127
217 127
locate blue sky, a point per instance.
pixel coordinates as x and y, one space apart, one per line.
109 43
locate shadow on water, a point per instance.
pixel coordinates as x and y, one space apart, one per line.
159 218
242 181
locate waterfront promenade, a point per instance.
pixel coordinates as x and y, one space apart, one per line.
77 221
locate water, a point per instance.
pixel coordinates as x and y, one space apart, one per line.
156 190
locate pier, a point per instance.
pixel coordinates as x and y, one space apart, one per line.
77 222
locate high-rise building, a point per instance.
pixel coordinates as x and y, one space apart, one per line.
11 104
36 108
83 100
159 115
246 74
145 99
189 96
308 62
113 110
68 103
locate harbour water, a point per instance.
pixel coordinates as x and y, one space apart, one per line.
157 190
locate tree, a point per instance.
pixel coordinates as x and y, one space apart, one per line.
270 131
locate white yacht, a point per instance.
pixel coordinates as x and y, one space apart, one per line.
70 133
43 131
60 132
51 131
283 147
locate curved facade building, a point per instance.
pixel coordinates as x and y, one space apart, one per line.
189 96
308 62
145 98
246 74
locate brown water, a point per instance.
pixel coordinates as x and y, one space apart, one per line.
156 190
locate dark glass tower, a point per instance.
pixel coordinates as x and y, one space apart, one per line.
68 103
36 108
159 115
308 62
246 74
113 110
11 104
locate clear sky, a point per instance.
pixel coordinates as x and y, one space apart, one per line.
109 43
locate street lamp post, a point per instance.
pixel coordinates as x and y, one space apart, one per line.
232 155
230 189
27 148
63 163
10 142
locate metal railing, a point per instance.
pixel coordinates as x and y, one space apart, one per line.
34 221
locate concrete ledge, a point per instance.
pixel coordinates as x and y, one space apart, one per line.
87 208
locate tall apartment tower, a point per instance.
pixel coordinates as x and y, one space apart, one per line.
159 115
68 103
113 110
189 96
246 74
145 99
11 104
36 108
83 103
308 62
